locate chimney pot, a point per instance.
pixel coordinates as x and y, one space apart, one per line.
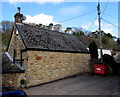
18 9
18 17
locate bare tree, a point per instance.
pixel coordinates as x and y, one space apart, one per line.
6 30
50 26
78 31
68 30
40 25
57 27
44 27
6 26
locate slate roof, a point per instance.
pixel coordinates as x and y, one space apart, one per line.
8 66
38 38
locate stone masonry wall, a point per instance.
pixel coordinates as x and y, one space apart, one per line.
17 44
46 66
14 78
43 66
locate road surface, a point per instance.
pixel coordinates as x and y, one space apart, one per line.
84 84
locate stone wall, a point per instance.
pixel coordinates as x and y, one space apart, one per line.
13 78
15 43
46 66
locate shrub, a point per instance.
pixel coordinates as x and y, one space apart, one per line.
22 81
105 40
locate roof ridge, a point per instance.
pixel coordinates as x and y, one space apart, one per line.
47 29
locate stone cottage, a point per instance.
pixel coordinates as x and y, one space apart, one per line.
40 55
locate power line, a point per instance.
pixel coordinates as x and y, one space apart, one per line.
111 16
105 8
110 23
77 17
92 23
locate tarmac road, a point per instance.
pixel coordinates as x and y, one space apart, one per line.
84 84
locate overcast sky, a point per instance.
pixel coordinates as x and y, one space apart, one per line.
68 14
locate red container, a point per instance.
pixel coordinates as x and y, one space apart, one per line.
100 69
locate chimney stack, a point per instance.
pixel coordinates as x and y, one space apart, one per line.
18 16
18 9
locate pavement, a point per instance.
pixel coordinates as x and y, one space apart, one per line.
84 84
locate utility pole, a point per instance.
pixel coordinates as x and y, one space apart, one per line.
99 21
